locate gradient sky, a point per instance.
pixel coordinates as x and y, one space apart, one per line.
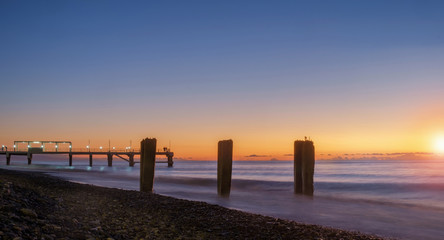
355 76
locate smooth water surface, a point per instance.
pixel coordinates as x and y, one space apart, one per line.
397 198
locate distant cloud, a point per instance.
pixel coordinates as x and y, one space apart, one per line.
255 155
385 156
392 154
184 158
288 155
425 153
409 153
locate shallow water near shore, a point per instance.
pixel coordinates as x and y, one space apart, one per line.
403 199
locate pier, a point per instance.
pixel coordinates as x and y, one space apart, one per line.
65 147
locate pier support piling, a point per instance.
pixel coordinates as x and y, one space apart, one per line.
131 160
304 159
29 158
110 159
224 167
8 158
170 160
90 160
70 160
147 164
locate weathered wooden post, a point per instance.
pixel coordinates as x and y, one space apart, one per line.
170 159
131 159
224 167
298 146
70 159
8 158
29 158
147 164
110 159
90 160
308 161
304 159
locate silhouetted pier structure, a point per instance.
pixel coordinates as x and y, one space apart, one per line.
65 147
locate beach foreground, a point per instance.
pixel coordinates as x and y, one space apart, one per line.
36 206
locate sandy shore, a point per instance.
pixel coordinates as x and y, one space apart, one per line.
37 206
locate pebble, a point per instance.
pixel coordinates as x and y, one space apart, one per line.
28 212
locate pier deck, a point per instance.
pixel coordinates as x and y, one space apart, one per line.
126 155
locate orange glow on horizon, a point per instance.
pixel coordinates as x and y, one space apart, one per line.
254 138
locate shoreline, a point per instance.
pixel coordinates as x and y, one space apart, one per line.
40 206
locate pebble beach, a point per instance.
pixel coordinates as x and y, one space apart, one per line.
38 206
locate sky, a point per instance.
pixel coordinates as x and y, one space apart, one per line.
356 77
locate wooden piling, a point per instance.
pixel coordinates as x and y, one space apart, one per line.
147 164
29 158
131 159
298 148
70 159
308 161
170 159
90 160
110 159
304 159
8 158
224 167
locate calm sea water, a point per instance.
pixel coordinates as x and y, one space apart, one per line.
398 198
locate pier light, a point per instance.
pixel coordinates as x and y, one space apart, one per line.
57 146
3 146
100 147
114 148
29 146
14 146
42 146
70 146
87 146
36 142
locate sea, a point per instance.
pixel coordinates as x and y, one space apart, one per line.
402 199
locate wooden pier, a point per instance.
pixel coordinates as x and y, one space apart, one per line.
126 155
